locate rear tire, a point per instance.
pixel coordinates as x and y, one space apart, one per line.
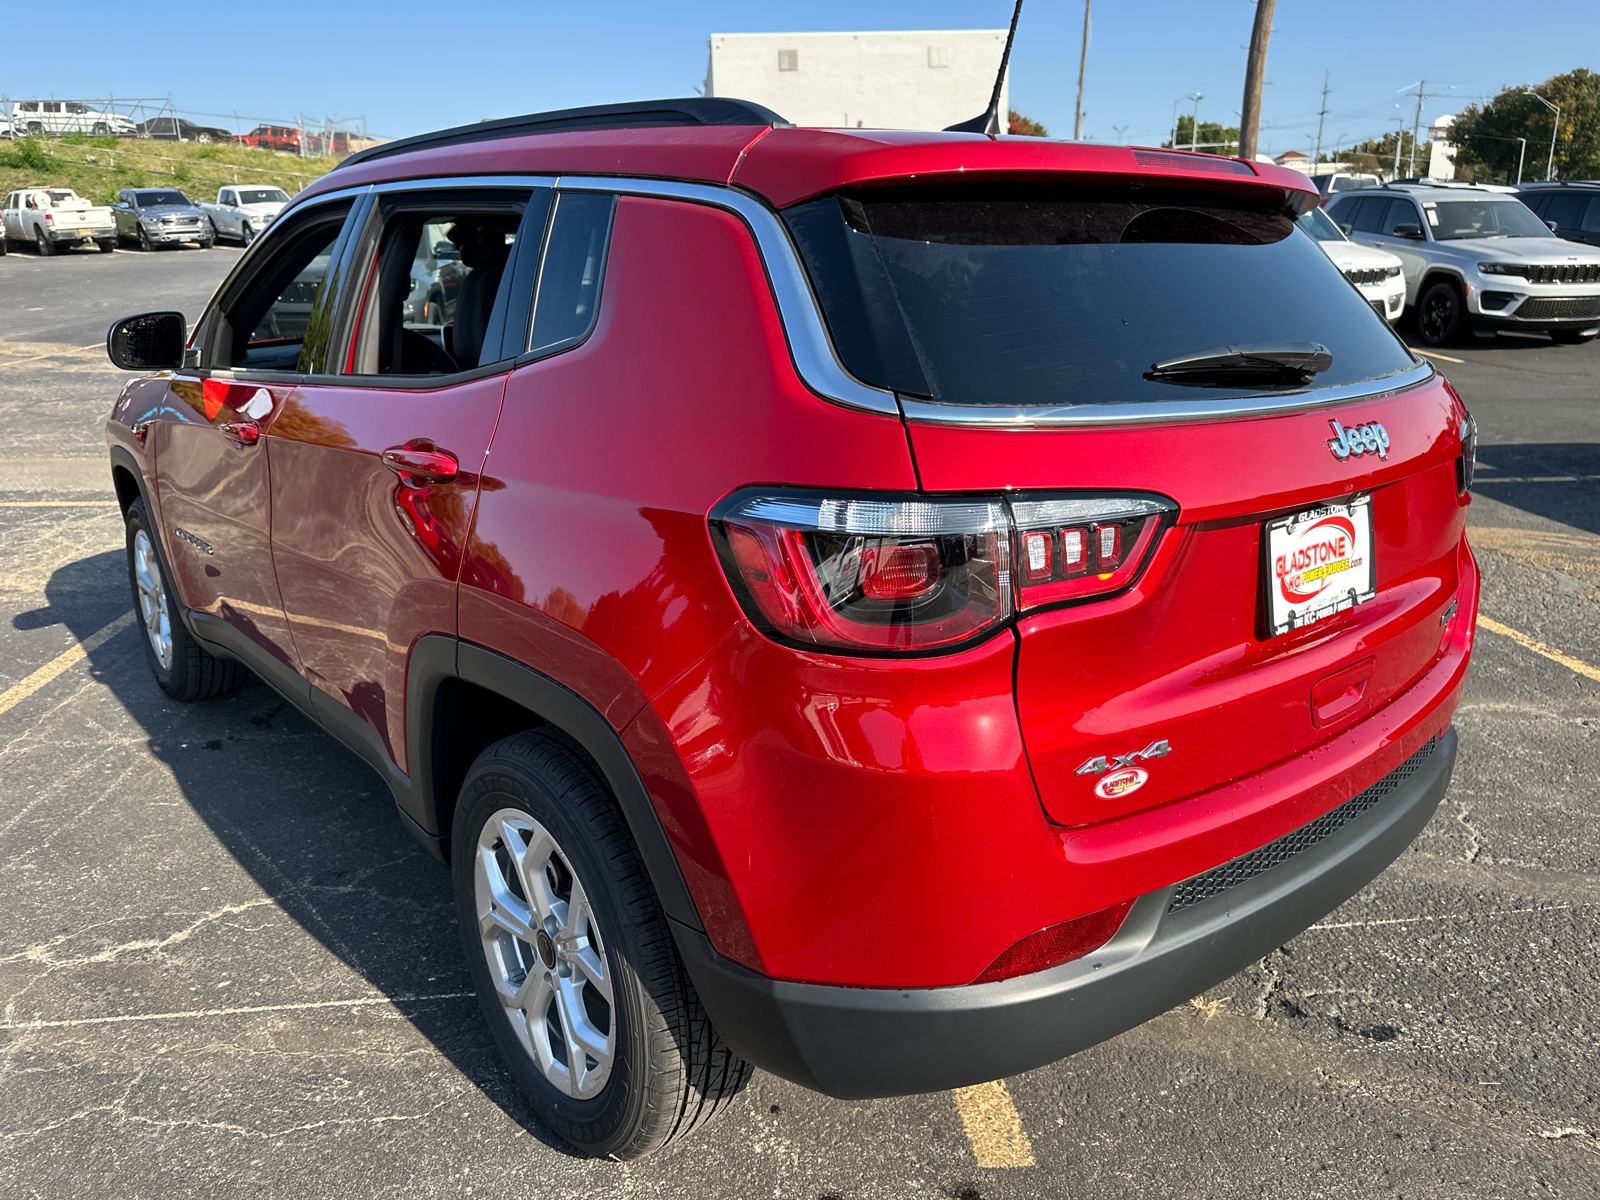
1441 314
42 244
608 976
183 669
1570 337
107 245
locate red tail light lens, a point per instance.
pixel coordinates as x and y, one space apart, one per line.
1057 944
868 574
1102 543
907 574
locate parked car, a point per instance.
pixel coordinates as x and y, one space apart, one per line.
1376 274
34 117
176 129
54 218
800 656
1571 210
1478 259
155 217
243 211
1329 186
436 276
272 137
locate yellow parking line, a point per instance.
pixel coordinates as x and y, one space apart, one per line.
18 692
1527 643
993 1126
1431 354
58 503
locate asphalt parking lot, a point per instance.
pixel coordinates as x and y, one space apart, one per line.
226 970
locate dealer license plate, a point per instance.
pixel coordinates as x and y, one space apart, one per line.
85 232
1319 562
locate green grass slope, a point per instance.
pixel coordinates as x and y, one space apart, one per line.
96 168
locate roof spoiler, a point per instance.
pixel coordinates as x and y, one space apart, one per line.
643 114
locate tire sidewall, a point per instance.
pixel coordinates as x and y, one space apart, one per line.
1451 328
498 782
138 520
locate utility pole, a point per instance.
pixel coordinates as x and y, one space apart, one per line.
1416 126
1316 153
1083 61
1555 124
1254 72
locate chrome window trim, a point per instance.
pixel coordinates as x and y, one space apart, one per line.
818 363
929 413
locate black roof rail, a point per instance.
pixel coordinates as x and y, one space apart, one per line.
642 114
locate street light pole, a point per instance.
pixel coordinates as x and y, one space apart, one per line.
1555 124
1194 129
1521 154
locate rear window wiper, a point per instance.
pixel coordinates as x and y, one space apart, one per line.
1268 364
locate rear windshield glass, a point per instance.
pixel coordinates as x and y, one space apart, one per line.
1050 295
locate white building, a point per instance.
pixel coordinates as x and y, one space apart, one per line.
1441 154
909 80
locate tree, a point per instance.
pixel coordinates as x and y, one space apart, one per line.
1213 139
1486 135
1021 126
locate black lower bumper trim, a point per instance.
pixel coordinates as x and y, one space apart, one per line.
857 1043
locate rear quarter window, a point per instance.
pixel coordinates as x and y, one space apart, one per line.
1051 295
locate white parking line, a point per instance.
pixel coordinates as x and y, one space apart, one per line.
362 1002
20 691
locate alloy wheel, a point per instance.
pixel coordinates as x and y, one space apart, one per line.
152 599
1437 314
545 953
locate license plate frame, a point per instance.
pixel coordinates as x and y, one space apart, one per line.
1318 562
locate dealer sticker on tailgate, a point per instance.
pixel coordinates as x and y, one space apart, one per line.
1319 562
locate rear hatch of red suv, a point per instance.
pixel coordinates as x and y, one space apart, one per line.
1238 498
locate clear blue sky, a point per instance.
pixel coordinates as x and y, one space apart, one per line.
410 66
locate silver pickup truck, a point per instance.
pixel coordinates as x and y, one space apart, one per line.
243 211
52 217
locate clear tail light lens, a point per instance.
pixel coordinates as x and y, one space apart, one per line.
881 573
1092 545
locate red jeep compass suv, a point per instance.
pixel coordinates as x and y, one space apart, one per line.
890 608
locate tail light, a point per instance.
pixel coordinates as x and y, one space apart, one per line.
869 574
1467 464
1078 547
882 573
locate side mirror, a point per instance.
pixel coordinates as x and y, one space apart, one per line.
1414 232
1552 225
148 342
448 251
1347 230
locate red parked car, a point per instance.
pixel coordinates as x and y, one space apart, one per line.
271 137
890 608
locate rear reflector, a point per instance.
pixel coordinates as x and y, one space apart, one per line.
1057 944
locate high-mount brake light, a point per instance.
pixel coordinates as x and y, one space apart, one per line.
887 573
1103 543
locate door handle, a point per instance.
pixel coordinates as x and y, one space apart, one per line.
241 433
420 463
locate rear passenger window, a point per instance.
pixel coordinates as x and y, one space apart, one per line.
1370 218
1563 210
571 271
1590 222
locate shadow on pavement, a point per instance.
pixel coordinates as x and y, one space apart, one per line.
310 823
1560 481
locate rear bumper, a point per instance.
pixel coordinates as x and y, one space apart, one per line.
856 1043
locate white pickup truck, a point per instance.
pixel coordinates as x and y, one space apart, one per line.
244 210
51 217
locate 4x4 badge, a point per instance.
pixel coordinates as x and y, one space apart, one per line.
1371 438
1102 764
